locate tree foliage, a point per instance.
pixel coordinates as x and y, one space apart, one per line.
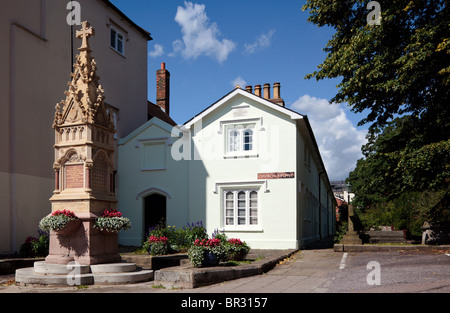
401 66
398 73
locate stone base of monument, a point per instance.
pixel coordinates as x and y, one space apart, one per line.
351 238
75 274
85 244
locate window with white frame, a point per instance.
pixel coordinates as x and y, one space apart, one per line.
241 208
240 139
117 40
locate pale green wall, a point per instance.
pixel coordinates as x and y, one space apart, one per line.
288 208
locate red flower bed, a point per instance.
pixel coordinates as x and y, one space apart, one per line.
207 242
111 213
236 242
154 239
65 213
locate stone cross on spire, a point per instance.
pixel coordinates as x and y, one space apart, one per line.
84 34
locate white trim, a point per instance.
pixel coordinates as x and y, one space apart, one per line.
239 91
254 120
151 191
154 121
246 226
118 32
242 184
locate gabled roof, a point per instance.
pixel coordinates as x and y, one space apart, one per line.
155 111
239 91
152 122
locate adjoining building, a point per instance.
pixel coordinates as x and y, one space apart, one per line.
246 166
37 56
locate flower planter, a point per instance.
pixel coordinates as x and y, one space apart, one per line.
109 232
210 259
70 228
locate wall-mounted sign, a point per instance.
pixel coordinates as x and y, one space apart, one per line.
280 175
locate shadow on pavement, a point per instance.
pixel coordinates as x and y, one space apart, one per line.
327 243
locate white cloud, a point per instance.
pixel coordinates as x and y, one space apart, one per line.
338 140
200 37
263 41
158 51
238 81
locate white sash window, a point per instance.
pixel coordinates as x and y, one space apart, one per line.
240 139
241 208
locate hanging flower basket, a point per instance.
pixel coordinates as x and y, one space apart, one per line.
62 222
111 222
71 228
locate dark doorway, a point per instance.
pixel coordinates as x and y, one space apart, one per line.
154 211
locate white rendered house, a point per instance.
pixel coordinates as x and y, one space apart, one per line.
246 166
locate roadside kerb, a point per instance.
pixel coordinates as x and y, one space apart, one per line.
188 277
384 248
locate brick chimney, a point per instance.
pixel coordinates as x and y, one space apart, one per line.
276 93
267 91
163 89
258 90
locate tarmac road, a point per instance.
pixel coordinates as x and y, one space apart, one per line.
394 272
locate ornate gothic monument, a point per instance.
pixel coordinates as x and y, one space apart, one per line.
84 164
81 254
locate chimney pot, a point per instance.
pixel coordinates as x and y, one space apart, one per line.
258 90
163 66
267 91
276 91
249 89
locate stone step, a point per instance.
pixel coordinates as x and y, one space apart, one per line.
29 276
386 237
113 268
123 278
59 269
374 233
68 275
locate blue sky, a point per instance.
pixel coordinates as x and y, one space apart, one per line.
209 46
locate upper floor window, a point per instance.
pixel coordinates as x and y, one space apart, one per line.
117 40
240 138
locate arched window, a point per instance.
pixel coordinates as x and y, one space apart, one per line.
241 214
248 140
241 208
234 140
240 138
253 209
229 208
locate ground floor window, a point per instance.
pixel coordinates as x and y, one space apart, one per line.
241 208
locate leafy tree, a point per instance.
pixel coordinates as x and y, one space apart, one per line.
401 66
399 73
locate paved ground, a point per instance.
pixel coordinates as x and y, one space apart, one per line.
318 270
